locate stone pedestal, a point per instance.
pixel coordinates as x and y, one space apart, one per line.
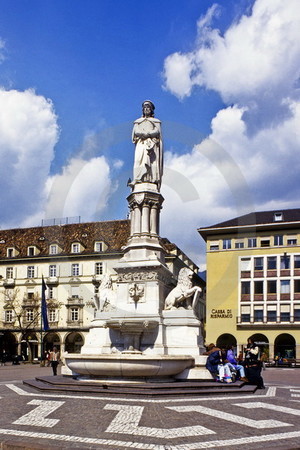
182 333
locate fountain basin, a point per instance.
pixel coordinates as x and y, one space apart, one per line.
129 365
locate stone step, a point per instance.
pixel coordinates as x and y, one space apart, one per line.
65 385
119 384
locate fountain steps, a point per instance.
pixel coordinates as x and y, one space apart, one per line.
138 389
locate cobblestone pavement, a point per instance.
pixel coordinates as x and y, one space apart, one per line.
33 420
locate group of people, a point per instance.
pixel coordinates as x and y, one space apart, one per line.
225 367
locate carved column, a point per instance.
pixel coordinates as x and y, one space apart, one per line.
137 219
146 218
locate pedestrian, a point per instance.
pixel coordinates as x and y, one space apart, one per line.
54 359
253 365
264 359
3 358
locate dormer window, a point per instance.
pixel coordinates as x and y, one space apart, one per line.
53 249
10 252
278 217
31 251
75 247
98 246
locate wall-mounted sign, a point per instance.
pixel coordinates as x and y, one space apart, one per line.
221 314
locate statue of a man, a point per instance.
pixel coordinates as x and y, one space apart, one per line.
148 158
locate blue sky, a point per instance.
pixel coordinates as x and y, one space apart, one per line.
224 77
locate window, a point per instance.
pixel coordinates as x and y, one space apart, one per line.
214 246
245 264
258 263
10 252
284 262
297 286
75 270
8 315
30 295
75 248
278 217
278 240
272 316
284 286
297 313
30 272
272 263
52 270
284 313
272 286
239 244
9 272
245 314
52 316
226 244
30 251
258 315
53 249
99 268
292 240
50 292
29 315
98 246
75 291
297 261
265 242
252 242
258 287
245 287
74 314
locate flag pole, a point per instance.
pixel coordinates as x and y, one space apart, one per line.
44 317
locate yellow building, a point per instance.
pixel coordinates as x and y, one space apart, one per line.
253 281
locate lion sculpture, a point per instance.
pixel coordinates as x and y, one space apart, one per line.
184 294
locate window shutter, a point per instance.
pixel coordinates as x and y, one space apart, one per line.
245 264
285 308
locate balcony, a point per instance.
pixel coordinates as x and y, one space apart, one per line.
258 273
29 302
74 323
9 283
245 274
51 281
74 301
265 324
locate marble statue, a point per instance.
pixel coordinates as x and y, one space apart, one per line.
184 294
106 298
148 158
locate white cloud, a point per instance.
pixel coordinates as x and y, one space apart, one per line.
251 159
28 134
257 54
82 189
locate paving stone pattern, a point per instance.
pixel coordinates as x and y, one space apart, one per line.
34 420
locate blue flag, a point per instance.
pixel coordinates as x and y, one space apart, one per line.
44 306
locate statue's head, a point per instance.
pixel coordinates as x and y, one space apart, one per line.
148 108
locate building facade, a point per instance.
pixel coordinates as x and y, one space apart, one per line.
253 281
72 259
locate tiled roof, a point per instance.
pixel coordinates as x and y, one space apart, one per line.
113 233
260 218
